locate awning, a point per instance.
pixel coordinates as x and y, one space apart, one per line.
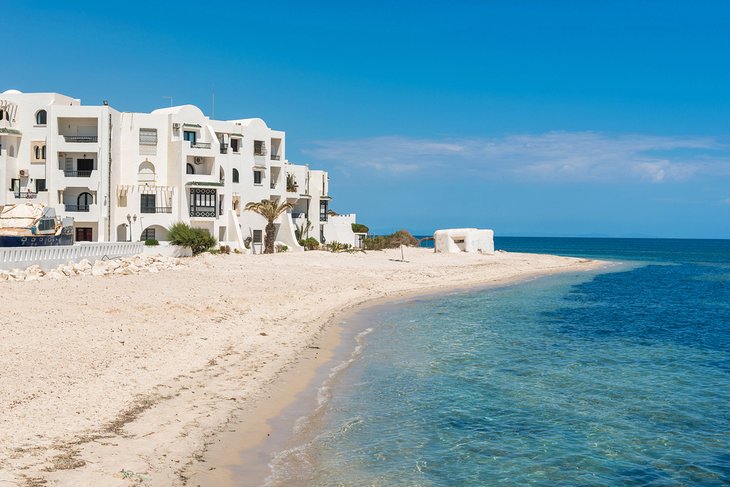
194 125
7 131
202 183
123 189
152 189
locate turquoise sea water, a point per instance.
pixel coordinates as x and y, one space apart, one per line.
619 377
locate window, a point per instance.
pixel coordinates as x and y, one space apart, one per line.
257 236
46 224
235 175
37 152
40 185
43 152
190 136
235 144
323 210
41 117
148 137
15 186
148 234
259 148
257 177
189 169
147 203
203 202
84 234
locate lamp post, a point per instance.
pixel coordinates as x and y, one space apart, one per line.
130 219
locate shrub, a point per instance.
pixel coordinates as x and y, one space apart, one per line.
282 248
236 251
393 241
198 239
360 228
309 243
338 247
225 249
151 242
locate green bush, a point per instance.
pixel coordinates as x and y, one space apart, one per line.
224 249
151 242
198 239
360 228
393 241
309 243
281 248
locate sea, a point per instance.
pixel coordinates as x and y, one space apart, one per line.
619 376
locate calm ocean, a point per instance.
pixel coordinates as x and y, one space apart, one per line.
618 377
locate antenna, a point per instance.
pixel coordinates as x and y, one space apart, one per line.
212 88
169 98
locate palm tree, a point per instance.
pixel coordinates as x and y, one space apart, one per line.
271 211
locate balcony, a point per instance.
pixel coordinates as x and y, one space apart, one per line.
275 157
78 208
224 148
81 139
203 212
200 145
77 174
156 209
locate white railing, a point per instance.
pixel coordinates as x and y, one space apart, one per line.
50 257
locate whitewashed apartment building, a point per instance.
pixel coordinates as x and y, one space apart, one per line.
129 176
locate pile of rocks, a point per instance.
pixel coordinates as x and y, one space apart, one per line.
125 266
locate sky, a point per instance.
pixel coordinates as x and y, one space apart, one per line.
534 118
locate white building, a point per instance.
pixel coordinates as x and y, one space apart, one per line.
129 176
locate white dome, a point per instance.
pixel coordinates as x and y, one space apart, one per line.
12 92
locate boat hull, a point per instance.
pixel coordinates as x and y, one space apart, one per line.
35 240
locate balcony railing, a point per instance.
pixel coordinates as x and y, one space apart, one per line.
275 157
200 145
25 194
83 139
80 208
77 174
203 211
224 148
156 209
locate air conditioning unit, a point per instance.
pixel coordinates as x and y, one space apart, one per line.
23 173
198 160
175 126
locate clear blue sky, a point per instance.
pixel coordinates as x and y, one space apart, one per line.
530 117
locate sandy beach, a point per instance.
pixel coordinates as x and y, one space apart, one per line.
129 379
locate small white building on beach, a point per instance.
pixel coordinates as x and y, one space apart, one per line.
128 176
457 240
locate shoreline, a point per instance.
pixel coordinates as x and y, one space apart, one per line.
245 451
142 384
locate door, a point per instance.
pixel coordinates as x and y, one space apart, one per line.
84 234
84 167
84 201
190 136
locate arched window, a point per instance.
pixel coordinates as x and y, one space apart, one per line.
37 152
43 152
146 171
235 175
189 169
84 201
41 117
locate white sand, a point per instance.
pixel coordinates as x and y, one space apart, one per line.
124 380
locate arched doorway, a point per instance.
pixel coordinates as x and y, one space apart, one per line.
189 169
84 201
156 232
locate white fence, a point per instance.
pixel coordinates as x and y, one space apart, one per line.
51 256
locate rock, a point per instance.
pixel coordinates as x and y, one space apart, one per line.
55 275
99 269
